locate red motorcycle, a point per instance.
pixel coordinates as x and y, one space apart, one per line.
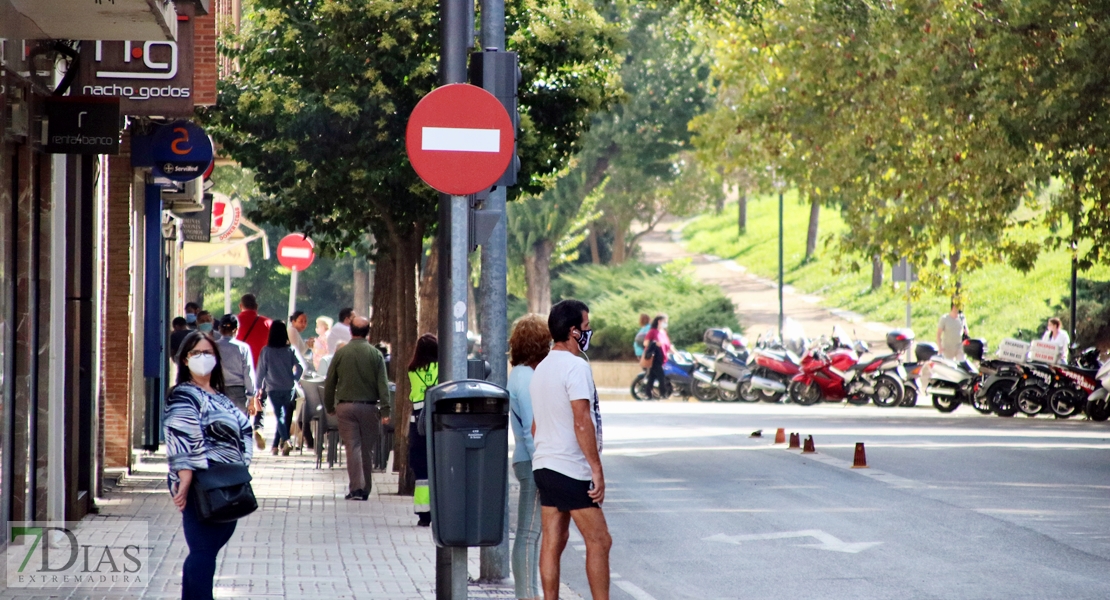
824 376
772 371
833 372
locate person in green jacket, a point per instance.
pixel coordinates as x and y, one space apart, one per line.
423 374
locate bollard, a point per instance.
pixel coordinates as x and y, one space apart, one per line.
860 460
808 447
780 436
795 441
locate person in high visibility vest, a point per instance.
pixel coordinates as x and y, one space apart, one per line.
423 374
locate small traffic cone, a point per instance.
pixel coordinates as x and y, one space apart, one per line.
757 433
860 461
808 447
780 436
795 441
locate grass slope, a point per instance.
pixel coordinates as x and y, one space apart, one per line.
1002 302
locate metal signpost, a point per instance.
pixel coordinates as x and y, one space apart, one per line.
903 271
460 140
296 252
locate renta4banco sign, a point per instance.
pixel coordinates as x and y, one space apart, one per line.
150 78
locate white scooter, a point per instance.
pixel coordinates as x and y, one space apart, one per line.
1098 403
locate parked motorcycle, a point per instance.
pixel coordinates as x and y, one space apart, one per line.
828 372
729 364
1073 384
998 388
1098 402
884 377
952 383
677 381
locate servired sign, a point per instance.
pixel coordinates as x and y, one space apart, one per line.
295 251
459 139
182 151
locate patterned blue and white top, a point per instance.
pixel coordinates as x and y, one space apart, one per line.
201 427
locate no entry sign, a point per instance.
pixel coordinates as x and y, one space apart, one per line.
295 251
459 139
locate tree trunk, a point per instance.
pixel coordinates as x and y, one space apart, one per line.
595 250
404 334
811 236
876 273
742 221
429 294
381 323
620 243
362 287
537 272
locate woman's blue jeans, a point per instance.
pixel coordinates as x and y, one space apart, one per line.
205 541
526 546
283 403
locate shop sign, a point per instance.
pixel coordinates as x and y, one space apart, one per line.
182 151
81 125
151 78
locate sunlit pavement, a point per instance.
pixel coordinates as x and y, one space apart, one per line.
954 505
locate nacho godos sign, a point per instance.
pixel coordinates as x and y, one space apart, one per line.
181 150
152 78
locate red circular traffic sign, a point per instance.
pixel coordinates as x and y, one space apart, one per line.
296 252
459 139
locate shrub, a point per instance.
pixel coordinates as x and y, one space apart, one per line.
617 296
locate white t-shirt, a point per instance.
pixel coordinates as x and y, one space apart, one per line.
338 334
559 379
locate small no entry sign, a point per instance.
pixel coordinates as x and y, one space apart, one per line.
459 139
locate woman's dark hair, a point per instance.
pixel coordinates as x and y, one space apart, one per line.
426 352
184 375
279 335
657 320
565 315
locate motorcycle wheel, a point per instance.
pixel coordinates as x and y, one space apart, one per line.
1098 411
1000 401
1063 403
771 397
945 404
705 392
803 393
909 398
1030 401
746 393
888 391
638 389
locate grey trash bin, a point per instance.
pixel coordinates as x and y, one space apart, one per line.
468 448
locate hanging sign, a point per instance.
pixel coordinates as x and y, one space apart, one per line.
181 151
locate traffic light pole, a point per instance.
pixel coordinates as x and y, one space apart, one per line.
453 236
494 565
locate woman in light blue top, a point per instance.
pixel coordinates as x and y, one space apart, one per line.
528 345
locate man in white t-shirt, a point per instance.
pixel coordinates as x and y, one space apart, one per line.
340 333
566 428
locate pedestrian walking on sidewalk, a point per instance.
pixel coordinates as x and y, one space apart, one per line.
236 364
280 367
951 333
529 344
254 331
566 428
201 426
423 374
357 392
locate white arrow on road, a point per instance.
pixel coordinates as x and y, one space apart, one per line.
828 540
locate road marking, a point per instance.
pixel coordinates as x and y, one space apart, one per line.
827 541
289 252
633 590
459 139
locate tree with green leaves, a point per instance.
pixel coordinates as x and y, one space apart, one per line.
318 106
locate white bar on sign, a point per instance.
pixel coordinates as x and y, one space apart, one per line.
296 252
458 139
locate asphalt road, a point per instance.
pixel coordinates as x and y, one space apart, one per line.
953 506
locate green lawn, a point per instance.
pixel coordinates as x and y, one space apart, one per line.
1001 301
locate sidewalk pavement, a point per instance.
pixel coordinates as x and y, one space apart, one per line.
756 297
305 542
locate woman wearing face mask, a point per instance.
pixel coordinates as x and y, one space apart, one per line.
657 337
201 426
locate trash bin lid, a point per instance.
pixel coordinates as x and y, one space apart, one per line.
466 389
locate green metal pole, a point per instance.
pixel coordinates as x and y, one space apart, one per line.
780 264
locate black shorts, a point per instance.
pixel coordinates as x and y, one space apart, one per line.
562 492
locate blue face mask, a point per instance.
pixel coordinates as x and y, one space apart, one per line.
190 318
205 327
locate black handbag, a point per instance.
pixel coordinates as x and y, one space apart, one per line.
222 493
